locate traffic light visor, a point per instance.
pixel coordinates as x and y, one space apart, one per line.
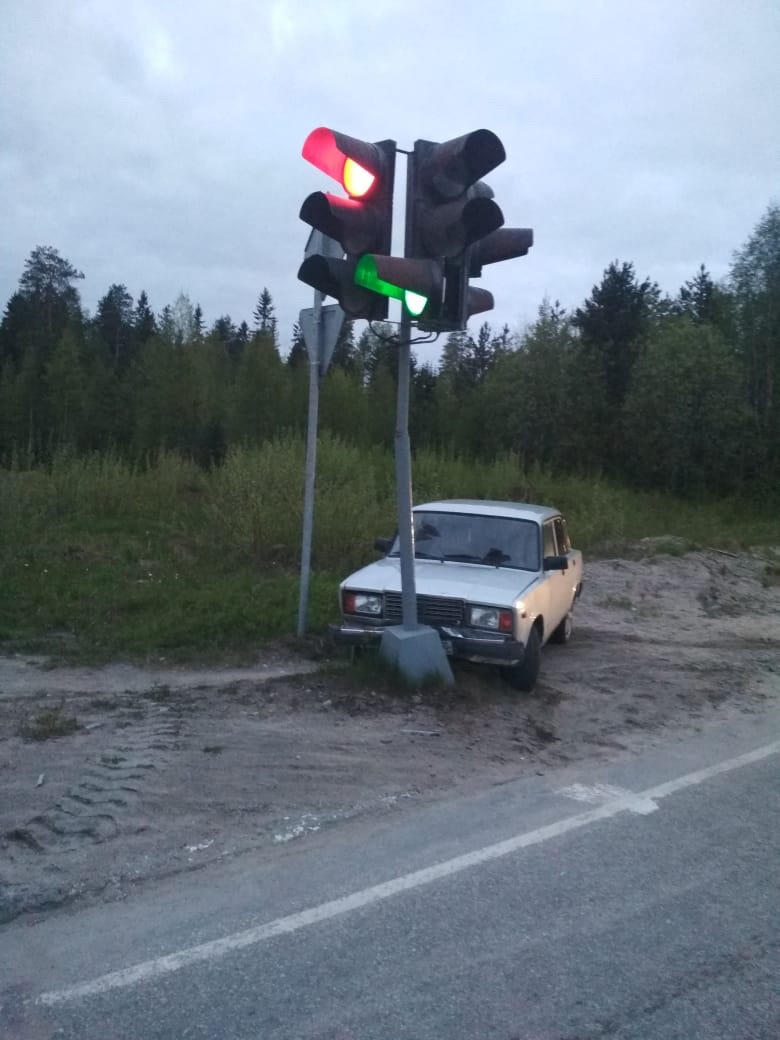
367 275
414 282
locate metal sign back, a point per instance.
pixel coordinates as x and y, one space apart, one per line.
320 245
321 338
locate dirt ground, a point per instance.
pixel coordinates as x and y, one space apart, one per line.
115 775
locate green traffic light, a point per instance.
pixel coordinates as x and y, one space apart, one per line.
366 274
414 302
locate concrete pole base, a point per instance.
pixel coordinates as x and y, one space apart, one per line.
417 653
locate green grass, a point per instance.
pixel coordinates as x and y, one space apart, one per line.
100 559
48 724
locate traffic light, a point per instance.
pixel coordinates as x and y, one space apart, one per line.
446 210
454 222
361 223
415 282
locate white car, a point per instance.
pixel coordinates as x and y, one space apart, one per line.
497 580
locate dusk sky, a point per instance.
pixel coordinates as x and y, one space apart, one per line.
159 144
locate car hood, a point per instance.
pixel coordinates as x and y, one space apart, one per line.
473 582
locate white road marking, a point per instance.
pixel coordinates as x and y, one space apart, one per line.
603 794
209 951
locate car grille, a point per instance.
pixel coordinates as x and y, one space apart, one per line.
431 610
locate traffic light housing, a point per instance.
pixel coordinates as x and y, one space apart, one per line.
454 222
454 227
414 282
361 222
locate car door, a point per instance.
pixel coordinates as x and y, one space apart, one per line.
559 582
571 577
547 596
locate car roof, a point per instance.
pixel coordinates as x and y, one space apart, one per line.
489 507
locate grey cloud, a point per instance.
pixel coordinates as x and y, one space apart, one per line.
159 145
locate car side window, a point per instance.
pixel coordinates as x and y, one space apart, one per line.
562 535
549 539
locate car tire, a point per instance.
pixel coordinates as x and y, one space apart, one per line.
523 676
562 633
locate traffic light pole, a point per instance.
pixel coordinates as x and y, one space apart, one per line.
414 649
320 327
403 476
311 464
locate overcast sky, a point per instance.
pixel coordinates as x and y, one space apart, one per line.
157 143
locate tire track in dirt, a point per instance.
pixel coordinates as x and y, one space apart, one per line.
107 799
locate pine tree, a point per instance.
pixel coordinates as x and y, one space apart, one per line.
612 322
345 353
166 325
705 303
298 356
755 281
265 321
225 332
114 324
47 282
686 424
526 407
66 382
241 338
144 321
16 328
260 393
455 366
377 352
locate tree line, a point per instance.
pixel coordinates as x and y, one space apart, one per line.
676 393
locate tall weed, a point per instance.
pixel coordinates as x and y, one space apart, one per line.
122 558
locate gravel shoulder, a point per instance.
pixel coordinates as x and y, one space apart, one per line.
145 772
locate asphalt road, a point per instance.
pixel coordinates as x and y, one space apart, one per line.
637 898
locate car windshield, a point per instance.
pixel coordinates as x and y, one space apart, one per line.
495 541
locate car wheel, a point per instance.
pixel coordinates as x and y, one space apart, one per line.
562 633
523 676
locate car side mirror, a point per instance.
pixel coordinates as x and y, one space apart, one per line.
556 563
383 545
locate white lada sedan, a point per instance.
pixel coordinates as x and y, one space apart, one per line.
497 580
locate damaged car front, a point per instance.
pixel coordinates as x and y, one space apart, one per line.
481 580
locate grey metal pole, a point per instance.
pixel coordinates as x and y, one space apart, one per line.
414 649
311 464
403 477
403 451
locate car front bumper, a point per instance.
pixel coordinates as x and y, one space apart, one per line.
470 644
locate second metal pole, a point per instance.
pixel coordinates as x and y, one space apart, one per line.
311 465
403 476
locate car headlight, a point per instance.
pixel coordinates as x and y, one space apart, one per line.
496 618
361 603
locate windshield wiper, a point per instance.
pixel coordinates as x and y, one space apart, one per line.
495 557
420 554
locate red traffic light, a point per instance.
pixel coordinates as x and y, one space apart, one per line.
361 223
355 164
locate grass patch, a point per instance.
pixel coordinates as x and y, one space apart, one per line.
100 559
48 724
369 667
